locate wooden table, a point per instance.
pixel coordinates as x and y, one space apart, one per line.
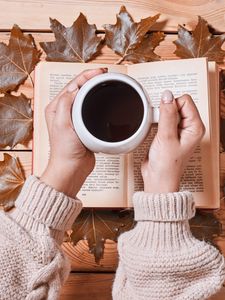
89 280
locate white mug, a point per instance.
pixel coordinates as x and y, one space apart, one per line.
149 114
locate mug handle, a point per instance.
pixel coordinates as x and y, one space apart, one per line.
155 114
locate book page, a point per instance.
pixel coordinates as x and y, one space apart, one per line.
105 186
180 76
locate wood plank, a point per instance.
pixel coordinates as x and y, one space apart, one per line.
165 49
83 286
35 14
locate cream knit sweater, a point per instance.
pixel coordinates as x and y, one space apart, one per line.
159 258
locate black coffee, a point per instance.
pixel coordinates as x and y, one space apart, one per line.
112 111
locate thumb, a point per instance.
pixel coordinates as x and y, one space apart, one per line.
169 116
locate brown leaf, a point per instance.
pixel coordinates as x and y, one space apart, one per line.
78 43
200 43
206 226
17 60
126 216
145 51
96 226
127 35
11 181
16 121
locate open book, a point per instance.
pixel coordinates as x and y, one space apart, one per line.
116 177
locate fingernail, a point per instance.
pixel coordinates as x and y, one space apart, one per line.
167 96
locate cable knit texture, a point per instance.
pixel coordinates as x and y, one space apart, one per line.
33 267
160 258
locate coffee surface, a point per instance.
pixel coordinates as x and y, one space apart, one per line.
112 111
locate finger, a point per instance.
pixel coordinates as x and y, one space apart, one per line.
66 99
76 83
191 126
68 94
63 110
168 120
80 80
187 108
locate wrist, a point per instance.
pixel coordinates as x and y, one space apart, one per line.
154 184
66 178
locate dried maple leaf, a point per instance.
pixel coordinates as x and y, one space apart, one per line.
127 218
200 43
96 226
205 225
16 121
17 60
11 181
126 35
145 51
78 43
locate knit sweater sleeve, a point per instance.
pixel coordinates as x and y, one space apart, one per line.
160 258
33 266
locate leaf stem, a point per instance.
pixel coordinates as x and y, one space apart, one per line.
120 60
123 57
93 225
31 80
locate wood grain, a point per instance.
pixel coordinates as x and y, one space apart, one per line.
82 260
34 14
165 50
84 286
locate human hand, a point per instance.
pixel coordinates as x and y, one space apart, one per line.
173 144
70 161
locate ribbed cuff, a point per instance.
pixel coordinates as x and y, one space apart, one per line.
39 206
163 207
